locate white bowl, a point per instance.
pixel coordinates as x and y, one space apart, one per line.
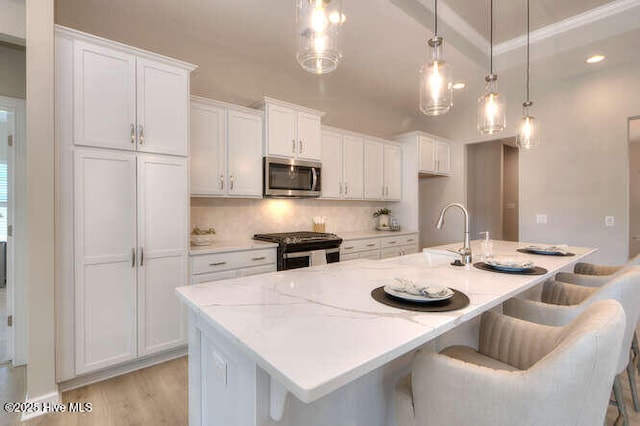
202 240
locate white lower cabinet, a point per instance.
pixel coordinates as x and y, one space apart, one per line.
232 264
131 236
379 247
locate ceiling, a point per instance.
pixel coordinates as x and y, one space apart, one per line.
246 49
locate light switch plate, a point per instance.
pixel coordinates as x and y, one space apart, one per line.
541 218
609 221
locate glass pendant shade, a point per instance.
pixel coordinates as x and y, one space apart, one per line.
436 81
528 130
491 108
318 25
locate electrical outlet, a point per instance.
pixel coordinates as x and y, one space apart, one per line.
609 221
541 218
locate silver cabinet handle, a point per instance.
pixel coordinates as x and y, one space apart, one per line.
346 188
140 134
133 257
340 188
231 182
410 240
221 181
133 133
314 179
217 263
349 248
293 146
371 245
392 242
437 164
141 256
301 147
255 259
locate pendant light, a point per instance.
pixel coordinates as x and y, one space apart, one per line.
318 25
436 81
491 105
527 132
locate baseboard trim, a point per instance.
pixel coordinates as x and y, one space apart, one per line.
108 373
49 398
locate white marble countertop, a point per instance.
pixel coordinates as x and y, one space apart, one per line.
230 245
317 329
372 233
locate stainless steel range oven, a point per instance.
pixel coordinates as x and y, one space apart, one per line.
302 249
291 178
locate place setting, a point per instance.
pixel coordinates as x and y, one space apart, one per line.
405 293
519 265
547 250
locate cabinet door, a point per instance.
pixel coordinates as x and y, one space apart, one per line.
392 172
104 97
353 167
163 217
390 252
309 136
373 171
163 108
443 157
244 139
105 271
427 155
331 165
281 131
208 150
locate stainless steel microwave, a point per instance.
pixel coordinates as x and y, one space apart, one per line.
291 178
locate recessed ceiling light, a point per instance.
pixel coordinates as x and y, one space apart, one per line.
595 59
459 86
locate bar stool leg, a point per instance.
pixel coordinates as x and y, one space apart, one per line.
636 350
623 418
631 369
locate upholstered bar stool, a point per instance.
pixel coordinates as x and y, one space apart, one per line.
522 373
561 302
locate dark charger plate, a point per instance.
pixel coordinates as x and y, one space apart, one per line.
521 250
533 271
459 300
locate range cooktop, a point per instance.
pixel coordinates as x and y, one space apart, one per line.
292 238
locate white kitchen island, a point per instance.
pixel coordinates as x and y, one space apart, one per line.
311 347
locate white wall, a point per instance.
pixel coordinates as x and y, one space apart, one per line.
12 21
40 201
243 218
484 183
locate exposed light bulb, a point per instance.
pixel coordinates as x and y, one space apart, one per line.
318 17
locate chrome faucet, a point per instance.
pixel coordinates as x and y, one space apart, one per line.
465 251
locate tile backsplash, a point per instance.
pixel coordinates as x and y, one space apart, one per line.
242 218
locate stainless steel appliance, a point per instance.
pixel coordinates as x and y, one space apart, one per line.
291 178
297 249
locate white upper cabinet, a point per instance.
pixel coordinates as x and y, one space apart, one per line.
291 131
392 188
353 167
104 97
226 150
435 156
331 165
163 108
373 170
162 251
208 149
125 100
244 138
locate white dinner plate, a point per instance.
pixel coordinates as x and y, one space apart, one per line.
417 298
543 250
510 264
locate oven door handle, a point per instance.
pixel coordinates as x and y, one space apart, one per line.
307 253
314 179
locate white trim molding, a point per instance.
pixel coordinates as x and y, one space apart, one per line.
40 405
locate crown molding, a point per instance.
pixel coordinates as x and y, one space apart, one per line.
570 24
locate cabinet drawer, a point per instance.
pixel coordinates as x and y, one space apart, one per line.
410 249
400 240
371 254
234 260
391 252
256 270
214 276
349 256
355 246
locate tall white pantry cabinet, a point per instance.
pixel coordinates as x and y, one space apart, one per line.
122 203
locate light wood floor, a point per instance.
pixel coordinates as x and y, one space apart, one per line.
153 396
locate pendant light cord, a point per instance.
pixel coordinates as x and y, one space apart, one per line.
491 35
436 19
528 31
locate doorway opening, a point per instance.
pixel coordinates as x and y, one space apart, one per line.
634 185
493 189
